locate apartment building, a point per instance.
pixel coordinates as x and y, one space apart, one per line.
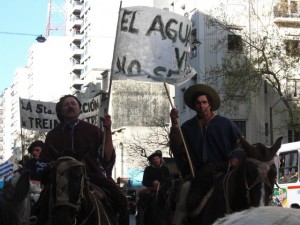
92 26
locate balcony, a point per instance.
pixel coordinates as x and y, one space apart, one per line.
85 24
76 21
84 40
76 51
287 15
77 71
77 83
76 7
77 36
85 7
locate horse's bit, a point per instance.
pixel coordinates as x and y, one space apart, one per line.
263 169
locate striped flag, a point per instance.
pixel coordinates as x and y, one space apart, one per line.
6 169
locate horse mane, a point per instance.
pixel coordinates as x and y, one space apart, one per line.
91 204
267 215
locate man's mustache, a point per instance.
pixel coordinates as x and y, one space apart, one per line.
70 110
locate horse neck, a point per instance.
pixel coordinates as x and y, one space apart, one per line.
236 189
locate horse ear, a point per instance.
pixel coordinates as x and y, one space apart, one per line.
276 146
22 187
245 145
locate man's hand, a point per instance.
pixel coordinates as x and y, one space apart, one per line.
174 116
156 184
107 122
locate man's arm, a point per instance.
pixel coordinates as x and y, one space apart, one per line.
108 147
147 182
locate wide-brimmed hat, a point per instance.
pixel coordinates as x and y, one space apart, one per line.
34 144
156 153
199 89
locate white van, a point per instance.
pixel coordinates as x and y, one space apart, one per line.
287 162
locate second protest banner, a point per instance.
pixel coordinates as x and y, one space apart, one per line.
41 116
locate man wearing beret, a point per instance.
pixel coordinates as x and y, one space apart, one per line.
35 166
156 173
155 176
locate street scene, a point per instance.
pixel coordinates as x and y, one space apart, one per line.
150 112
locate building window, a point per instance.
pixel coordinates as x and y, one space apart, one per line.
295 7
292 88
193 45
266 129
235 43
266 87
293 136
292 47
287 8
288 167
241 125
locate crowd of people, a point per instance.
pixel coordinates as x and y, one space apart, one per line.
203 148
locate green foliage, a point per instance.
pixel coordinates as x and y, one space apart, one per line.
264 57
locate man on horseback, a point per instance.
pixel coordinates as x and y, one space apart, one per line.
155 175
210 140
81 140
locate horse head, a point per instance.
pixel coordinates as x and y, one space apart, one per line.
259 172
68 181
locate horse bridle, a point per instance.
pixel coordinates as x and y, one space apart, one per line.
263 169
62 192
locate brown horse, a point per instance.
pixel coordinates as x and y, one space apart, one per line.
249 184
71 199
150 212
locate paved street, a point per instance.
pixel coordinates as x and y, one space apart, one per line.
132 219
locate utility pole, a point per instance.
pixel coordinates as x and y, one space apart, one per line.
271 119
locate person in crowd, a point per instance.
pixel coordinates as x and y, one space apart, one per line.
79 139
156 174
211 141
34 164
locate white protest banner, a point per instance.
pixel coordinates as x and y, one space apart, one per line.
152 45
41 116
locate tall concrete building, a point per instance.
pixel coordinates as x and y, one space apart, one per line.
92 27
49 64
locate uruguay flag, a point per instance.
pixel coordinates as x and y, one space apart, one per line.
6 169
